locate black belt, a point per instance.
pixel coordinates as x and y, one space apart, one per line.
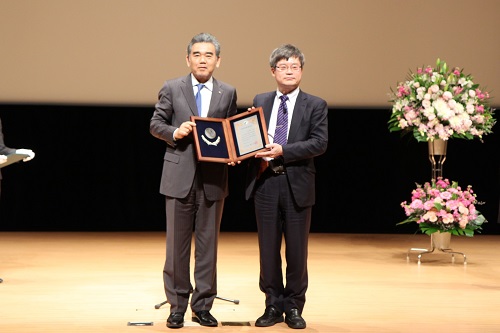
277 167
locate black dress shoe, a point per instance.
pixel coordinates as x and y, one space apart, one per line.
204 318
294 320
270 317
175 320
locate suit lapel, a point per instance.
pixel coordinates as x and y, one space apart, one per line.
187 90
268 107
217 93
298 114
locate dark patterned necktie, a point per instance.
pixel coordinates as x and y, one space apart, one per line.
198 98
281 131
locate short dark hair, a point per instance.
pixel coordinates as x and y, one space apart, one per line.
286 51
204 38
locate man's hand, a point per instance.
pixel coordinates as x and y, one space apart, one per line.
184 130
273 150
3 159
29 152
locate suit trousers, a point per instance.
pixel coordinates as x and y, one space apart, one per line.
279 217
193 213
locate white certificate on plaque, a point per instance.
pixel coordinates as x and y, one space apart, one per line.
248 135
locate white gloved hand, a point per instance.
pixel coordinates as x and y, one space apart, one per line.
3 159
28 152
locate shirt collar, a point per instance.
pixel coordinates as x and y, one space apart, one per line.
291 95
209 84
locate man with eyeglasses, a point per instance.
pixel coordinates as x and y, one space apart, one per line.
282 182
194 191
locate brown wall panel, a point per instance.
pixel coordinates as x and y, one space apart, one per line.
121 51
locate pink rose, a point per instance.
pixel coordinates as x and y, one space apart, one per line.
445 195
417 204
429 204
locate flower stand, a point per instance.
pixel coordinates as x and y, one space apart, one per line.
437 156
437 104
439 241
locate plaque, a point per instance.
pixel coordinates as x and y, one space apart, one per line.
13 158
232 139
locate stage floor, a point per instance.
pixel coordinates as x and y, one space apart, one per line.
98 282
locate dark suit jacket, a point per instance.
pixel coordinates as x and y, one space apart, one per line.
3 149
175 105
307 138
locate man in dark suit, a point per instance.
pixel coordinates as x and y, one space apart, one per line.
4 151
282 182
194 191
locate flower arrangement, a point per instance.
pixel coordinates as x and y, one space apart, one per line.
445 207
441 103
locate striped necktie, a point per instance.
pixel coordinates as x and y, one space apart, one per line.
280 134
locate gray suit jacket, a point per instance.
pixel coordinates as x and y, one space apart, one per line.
307 138
176 103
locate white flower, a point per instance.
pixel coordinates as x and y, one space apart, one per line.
420 93
455 122
426 103
434 88
470 108
429 113
433 122
467 122
459 108
447 95
479 119
452 104
440 104
397 106
442 109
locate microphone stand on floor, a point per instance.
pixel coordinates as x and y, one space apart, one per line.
235 301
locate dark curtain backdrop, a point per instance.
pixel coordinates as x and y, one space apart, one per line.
97 168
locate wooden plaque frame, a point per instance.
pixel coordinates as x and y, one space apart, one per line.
232 139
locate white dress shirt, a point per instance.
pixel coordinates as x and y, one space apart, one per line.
206 93
290 104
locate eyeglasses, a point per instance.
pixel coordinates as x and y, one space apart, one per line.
284 68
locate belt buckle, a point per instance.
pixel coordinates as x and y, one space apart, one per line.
278 169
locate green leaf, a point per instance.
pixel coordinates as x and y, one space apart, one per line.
438 206
418 136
